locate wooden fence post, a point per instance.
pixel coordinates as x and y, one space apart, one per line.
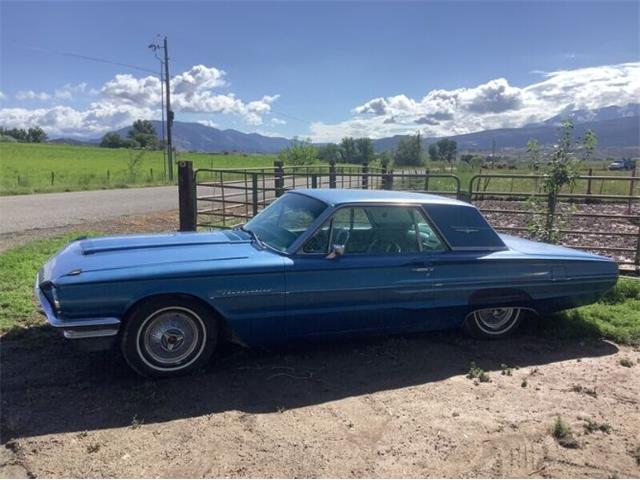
332 174
365 176
278 177
187 197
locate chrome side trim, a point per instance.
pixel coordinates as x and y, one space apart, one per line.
79 328
77 334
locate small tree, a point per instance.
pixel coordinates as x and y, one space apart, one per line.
144 134
447 150
348 148
329 153
111 140
562 169
300 152
408 152
36 135
434 155
364 150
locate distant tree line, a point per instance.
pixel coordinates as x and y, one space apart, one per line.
408 152
28 135
141 136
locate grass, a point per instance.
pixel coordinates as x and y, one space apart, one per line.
615 317
563 434
37 168
18 269
592 426
28 168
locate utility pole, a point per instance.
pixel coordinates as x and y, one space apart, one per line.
167 90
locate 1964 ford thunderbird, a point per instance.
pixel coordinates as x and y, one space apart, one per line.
315 263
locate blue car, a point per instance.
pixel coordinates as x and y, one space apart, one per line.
320 263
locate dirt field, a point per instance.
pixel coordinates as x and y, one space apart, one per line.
380 407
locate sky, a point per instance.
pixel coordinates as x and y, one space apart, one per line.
321 70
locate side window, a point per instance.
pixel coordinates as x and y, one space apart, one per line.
429 240
376 230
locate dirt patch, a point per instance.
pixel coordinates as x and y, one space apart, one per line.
380 407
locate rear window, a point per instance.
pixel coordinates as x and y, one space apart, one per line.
464 227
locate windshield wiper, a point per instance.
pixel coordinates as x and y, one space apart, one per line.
253 236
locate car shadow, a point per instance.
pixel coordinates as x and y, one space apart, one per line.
48 387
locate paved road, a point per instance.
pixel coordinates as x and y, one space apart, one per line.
46 210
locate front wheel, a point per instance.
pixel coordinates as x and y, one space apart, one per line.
168 336
493 322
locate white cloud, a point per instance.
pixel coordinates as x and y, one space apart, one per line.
2 96
278 121
495 104
31 95
208 123
125 98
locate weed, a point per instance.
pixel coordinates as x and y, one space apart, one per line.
506 370
93 447
593 426
586 390
626 362
136 423
636 454
477 374
563 434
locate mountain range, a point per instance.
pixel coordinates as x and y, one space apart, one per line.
615 126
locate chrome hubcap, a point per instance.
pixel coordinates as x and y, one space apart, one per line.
170 337
495 318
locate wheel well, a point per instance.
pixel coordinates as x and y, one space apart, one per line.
224 328
500 297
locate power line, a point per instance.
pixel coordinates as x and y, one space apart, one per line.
86 57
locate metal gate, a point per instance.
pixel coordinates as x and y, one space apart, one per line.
604 216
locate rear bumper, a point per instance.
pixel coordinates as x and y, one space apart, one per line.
105 328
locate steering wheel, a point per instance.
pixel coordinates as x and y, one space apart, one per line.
384 246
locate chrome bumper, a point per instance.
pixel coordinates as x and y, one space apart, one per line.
77 328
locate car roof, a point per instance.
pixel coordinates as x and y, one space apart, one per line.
337 196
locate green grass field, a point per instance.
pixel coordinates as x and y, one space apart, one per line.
28 168
615 317
35 168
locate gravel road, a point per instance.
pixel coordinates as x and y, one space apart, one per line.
48 210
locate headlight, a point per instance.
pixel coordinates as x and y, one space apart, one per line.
56 301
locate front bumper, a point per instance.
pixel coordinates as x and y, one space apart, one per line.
76 329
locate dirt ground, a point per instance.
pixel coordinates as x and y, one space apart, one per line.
376 407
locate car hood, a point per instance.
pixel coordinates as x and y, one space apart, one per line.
152 255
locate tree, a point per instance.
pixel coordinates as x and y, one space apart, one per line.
112 140
447 149
36 135
364 150
144 134
408 151
434 155
561 170
348 147
329 153
300 152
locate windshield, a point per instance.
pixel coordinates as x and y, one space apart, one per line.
282 222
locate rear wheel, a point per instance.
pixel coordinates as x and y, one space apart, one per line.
493 322
169 336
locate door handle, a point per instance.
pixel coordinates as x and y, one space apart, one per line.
421 266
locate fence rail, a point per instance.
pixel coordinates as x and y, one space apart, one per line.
605 217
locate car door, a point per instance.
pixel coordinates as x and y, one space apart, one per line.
383 281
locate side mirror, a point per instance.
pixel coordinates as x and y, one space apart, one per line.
336 251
